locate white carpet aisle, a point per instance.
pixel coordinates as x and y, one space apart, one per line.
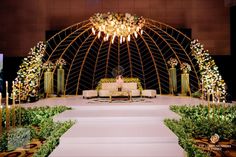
118 129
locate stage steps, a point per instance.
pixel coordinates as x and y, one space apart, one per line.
118 130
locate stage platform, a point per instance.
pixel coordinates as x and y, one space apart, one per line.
118 129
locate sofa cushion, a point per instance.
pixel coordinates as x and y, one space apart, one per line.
104 93
130 86
109 86
135 92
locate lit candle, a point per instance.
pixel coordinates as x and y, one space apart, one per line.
208 102
19 104
7 97
13 84
202 90
13 111
7 113
0 114
6 86
0 98
19 91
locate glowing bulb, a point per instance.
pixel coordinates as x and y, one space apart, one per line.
93 30
99 34
113 38
121 40
141 31
135 34
128 37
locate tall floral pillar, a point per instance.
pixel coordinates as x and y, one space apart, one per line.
185 86
172 76
48 78
60 77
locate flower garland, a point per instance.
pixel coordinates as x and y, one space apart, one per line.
212 81
116 25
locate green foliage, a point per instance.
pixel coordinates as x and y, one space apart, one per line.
33 116
126 80
202 121
219 111
53 140
36 115
37 123
3 142
18 137
184 139
46 128
197 94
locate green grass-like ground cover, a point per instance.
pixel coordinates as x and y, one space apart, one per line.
202 121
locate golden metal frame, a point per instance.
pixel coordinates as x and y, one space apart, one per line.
89 59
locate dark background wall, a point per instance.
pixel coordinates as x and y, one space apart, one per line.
24 23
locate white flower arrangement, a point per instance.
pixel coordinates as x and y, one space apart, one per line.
185 67
172 62
60 62
48 65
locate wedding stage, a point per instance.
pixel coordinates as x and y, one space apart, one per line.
118 129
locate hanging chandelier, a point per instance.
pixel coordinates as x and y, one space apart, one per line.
112 25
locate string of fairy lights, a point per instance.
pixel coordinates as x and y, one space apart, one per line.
211 80
27 81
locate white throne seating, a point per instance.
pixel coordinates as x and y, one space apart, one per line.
90 93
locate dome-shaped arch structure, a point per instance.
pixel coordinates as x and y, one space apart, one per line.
90 58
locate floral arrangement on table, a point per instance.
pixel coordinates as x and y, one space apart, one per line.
126 80
211 79
116 25
60 62
48 65
172 62
27 81
185 67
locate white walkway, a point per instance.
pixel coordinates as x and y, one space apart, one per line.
115 129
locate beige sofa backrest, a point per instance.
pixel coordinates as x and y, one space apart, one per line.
130 86
113 86
109 86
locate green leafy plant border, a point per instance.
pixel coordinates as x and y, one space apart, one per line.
202 121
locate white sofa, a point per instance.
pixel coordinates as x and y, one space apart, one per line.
107 88
90 93
151 93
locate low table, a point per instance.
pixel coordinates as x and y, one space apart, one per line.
121 93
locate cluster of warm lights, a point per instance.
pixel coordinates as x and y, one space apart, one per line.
212 81
28 74
112 25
